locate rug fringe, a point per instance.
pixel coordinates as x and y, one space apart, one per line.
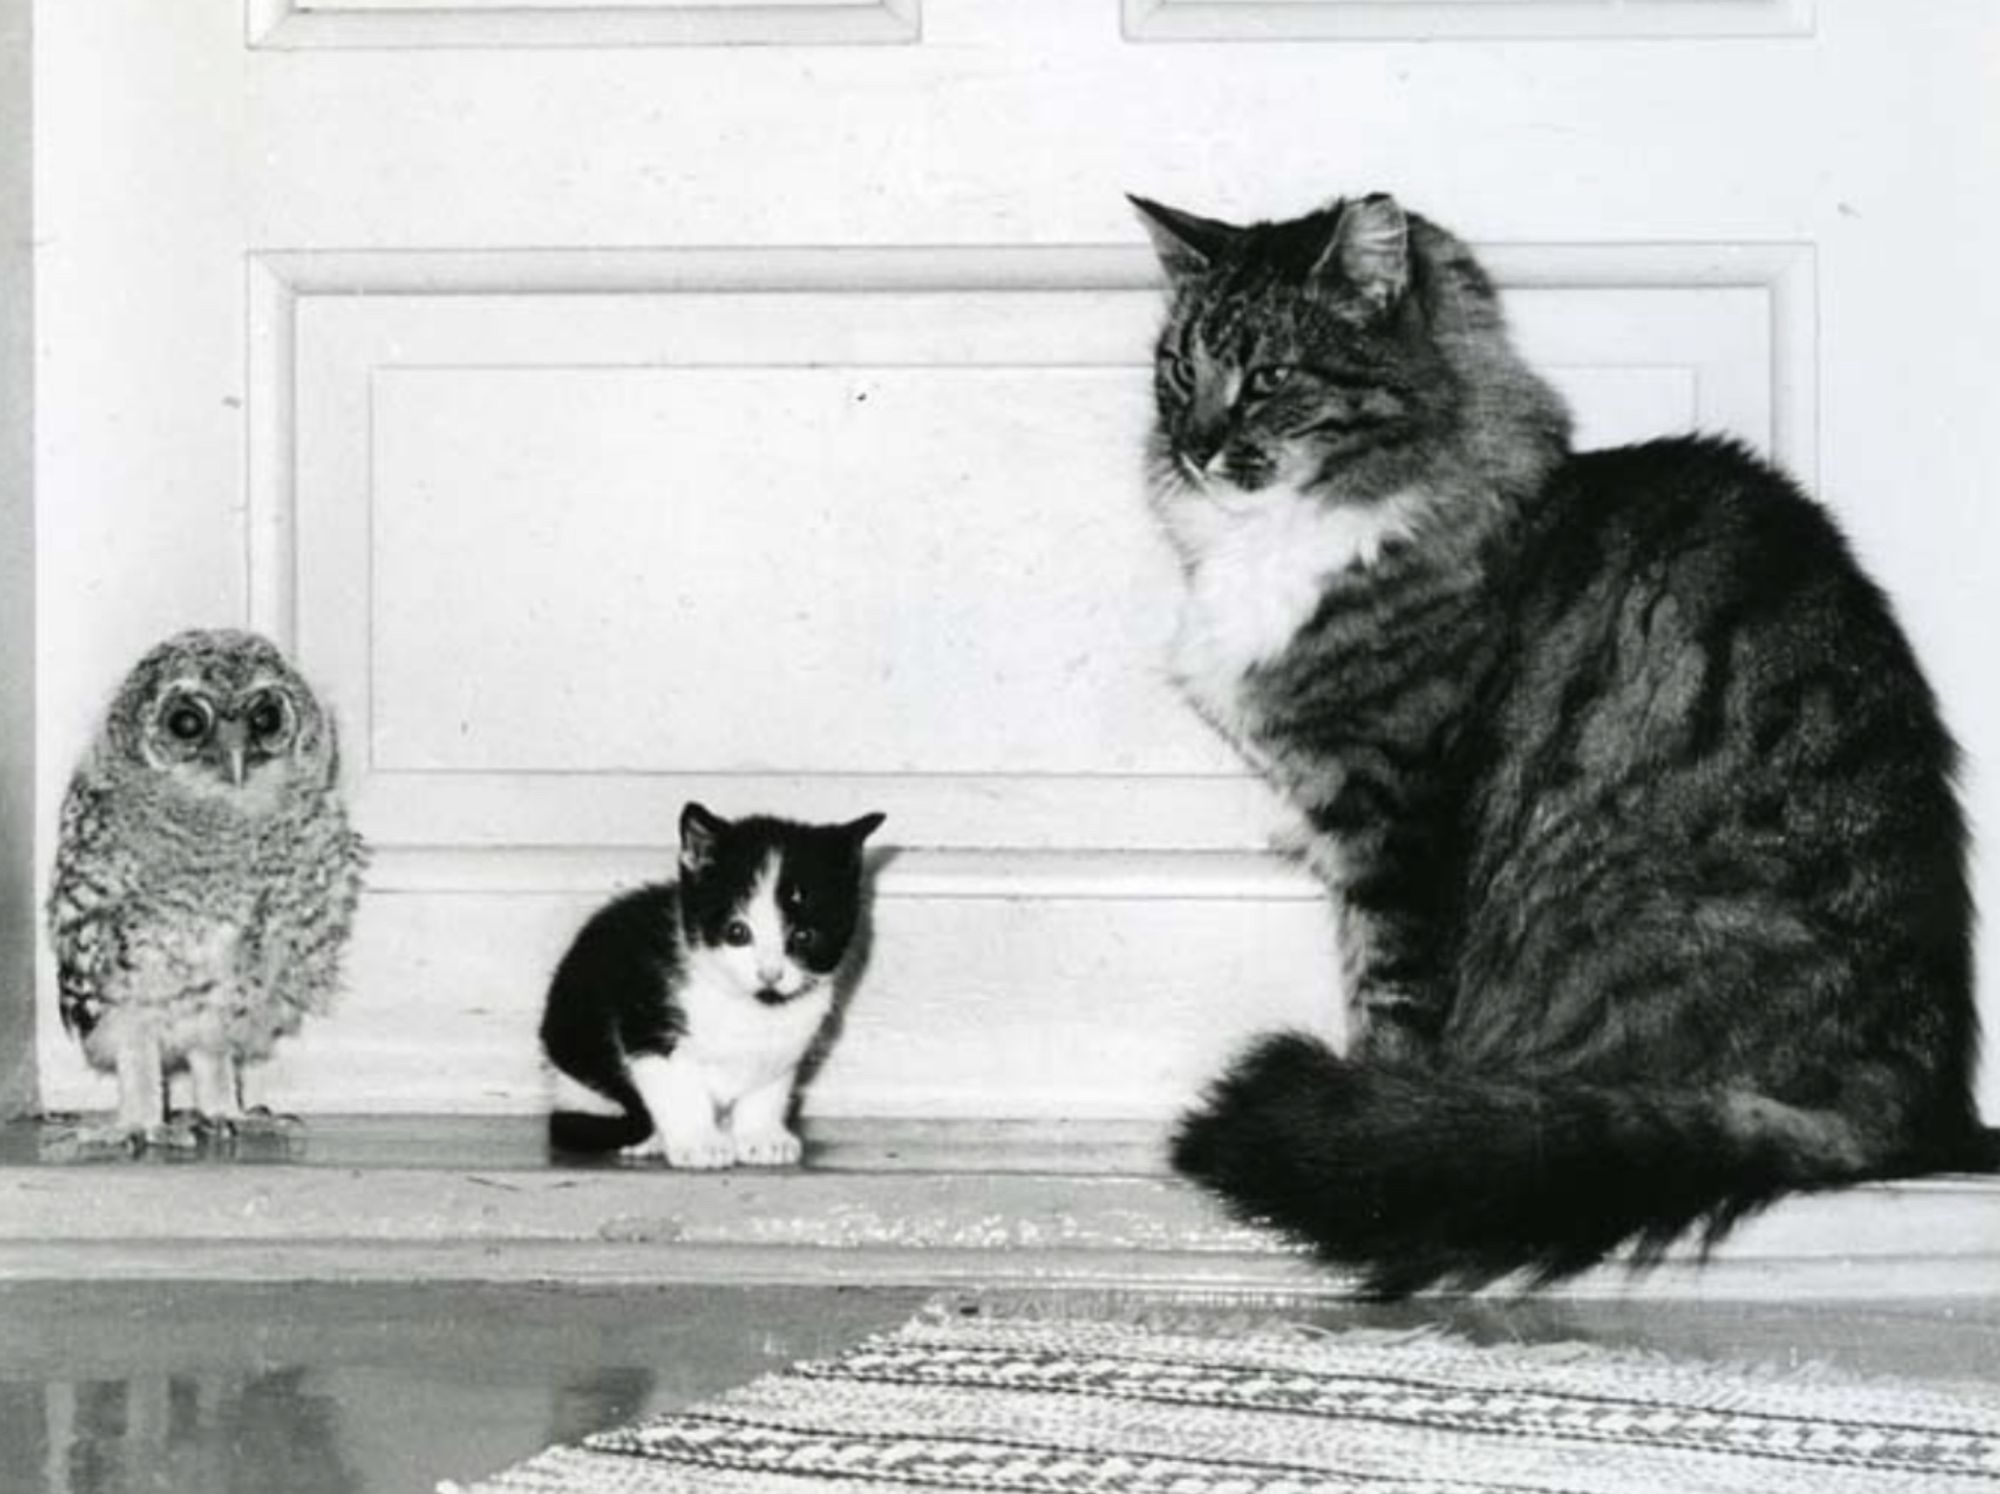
1272 1322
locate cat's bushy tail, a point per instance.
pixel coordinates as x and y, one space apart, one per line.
1416 1178
586 1131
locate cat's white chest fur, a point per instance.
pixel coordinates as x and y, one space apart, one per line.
739 1043
1258 568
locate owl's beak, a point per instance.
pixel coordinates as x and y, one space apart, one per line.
229 736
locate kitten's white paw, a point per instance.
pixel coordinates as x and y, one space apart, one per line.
779 1148
703 1153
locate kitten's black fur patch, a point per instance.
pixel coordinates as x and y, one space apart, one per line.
613 993
1634 782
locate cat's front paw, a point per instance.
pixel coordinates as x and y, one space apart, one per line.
779 1148
702 1152
1394 1028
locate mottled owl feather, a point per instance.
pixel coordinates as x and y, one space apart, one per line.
206 876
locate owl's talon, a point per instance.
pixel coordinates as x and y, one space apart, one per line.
260 1120
130 1140
174 1136
136 1140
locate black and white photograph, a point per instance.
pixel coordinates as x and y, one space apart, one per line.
1134 746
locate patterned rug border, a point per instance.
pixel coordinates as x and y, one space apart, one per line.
968 1361
1281 1327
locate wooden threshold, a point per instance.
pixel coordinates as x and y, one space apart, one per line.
880 1203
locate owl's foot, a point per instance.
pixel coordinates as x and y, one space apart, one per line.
258 1120
123 1136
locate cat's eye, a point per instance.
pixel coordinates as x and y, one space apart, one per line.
736 932
804 940
1177 371
187 722
1266 380
267 717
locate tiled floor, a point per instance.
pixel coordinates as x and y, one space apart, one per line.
332 1389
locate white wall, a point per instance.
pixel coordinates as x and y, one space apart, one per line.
606 419
17 563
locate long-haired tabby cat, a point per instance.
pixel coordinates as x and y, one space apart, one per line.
1639 810
692 1004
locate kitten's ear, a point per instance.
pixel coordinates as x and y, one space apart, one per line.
1187 245
859 830
1369 249
699 831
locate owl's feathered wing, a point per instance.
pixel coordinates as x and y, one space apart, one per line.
226 937
310 875
89 885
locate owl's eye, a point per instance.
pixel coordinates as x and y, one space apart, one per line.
266 718
736 932
1266 380
187 722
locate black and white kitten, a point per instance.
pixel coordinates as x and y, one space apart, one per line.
1639 808
691 1004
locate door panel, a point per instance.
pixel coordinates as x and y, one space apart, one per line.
609 411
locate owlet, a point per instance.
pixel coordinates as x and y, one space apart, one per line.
205 877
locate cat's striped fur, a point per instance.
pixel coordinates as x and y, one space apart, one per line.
1639 806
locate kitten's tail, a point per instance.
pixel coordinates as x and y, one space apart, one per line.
1416 1178
583 1131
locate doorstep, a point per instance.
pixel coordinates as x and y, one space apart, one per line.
883 1203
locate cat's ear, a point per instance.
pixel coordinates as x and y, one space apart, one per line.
859 830
1187 245
700 828
1369 249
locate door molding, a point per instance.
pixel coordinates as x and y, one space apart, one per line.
1461 20
294 25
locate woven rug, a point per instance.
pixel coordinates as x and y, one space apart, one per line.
963 1399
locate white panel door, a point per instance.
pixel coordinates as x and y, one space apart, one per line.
619 402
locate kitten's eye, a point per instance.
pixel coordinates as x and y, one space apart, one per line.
266 718
736 932
1266 380
1178 372
804 940
187 723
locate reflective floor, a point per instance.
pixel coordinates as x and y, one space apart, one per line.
363 1389
327 1389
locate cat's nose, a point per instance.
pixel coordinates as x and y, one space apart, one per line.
1198 462
1201 445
